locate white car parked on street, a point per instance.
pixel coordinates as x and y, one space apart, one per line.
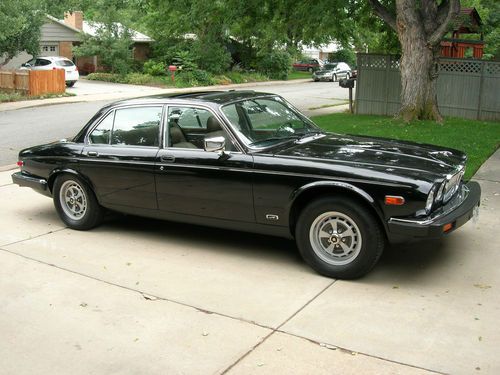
55 62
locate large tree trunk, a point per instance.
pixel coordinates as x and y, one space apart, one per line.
418 67
420 25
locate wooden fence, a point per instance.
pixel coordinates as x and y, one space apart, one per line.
33 82
465 88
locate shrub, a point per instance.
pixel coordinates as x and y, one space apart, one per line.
154 68
276 64
196 77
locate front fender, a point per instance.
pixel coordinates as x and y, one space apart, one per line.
337 185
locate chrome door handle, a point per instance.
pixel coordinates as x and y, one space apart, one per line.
167 158
92 153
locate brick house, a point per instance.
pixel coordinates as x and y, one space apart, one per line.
59 36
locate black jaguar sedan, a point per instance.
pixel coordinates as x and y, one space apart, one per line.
250 161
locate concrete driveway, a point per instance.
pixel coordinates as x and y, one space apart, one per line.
138 296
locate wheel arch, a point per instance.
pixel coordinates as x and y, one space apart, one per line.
307 193
60 171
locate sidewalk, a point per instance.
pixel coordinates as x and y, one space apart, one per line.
145 296
142 91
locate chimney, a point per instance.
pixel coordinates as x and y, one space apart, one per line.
74 19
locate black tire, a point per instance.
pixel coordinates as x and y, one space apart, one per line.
70 83
334 79
80 195
366 244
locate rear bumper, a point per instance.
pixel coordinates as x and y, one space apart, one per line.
36 183
433 227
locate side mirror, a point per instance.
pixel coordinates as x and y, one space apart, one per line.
215 144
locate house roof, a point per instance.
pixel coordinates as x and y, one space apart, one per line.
91 28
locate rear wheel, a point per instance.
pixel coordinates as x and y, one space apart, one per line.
339 238
70 83
76 203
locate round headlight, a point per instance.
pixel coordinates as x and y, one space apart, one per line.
430 200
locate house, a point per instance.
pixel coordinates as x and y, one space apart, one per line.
59 36
323 52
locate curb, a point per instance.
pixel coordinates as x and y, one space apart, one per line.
9 167
12 106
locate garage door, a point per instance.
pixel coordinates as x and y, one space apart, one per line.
49 50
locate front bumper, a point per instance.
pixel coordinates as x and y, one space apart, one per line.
36 183
457 214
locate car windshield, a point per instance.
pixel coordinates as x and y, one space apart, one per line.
264 122
330 66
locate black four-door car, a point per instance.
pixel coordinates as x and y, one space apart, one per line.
249 161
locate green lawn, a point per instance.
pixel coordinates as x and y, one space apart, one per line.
295 74
479 139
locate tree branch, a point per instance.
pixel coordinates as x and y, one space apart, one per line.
449 12
383 13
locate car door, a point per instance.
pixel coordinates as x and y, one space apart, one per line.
192 181
119 156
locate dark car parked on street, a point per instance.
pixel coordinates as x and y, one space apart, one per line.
250 161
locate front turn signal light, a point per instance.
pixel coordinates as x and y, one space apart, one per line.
447 227
394 200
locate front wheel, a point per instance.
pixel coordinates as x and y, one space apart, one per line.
76 203
339 238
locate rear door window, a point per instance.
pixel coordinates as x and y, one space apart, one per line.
137 126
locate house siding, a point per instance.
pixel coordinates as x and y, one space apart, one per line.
53 32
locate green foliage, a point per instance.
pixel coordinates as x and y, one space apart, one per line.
112 44
20 22
196 77
346 55
276 64
154 68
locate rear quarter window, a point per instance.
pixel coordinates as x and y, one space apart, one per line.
64 63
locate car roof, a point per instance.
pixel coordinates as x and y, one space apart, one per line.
209 97
53 58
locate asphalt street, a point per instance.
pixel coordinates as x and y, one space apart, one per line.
32 126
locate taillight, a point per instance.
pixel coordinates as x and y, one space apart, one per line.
20 163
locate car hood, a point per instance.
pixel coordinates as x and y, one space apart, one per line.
396 157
